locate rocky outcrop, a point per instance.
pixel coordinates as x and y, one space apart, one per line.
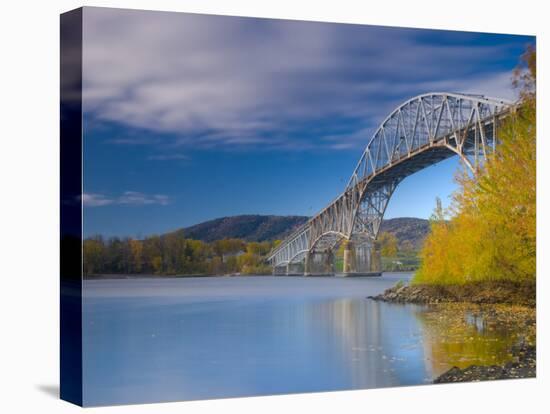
492 292
524 365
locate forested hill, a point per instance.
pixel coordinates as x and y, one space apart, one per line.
247 227
407 230
226 245
260 228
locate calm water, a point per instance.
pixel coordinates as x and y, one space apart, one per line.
151 340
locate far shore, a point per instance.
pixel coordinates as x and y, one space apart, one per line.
117 276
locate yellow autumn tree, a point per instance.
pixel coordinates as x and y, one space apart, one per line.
491 234
136 250
388 244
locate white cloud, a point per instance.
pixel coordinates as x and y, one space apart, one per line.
127 198
215 80
167 157
136 198
497 85
95 200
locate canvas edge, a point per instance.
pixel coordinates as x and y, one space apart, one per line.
71 207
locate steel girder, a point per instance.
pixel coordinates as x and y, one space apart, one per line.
420 132
295 249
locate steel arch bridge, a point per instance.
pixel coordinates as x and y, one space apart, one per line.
420 132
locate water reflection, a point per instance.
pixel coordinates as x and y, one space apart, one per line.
159 346
463 335
149 341
378 344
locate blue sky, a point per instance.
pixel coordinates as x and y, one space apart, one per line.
192 117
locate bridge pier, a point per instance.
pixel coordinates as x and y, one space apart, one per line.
294 269
319 263
329 262
349 257
307 264
361 259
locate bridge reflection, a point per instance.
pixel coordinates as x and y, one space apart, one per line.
379 344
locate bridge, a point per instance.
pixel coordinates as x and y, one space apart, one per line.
420 132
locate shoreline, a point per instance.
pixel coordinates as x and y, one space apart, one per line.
126 276
152 277
491 292
497 301
522 351
138 276
522 366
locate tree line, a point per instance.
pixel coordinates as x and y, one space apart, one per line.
173 254
489 232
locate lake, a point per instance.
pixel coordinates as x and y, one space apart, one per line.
165 339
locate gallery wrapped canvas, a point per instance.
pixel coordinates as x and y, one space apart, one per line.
257 206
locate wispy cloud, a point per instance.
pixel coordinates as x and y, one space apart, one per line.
493 85
167 157
127 198
96 200
214 81
136 198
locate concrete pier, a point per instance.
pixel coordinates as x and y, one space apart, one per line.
319 263
361 259
294 269
349 257
307 264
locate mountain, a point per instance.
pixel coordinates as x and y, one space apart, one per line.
413 230
260 228
247 227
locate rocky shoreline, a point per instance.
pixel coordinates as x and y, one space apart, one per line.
498 304
497 292
524 365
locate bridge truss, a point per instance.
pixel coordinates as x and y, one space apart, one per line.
420 132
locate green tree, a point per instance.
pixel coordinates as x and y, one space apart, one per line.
152 255
136 249
156 264
258 248
216 266
94 255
